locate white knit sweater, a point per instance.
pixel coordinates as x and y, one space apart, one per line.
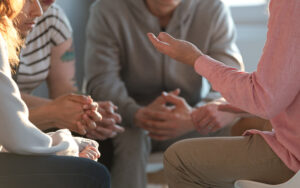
17 133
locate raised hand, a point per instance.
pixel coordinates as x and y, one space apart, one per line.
179 50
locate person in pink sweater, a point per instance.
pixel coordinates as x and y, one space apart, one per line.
271 92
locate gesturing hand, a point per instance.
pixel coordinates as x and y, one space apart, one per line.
179 50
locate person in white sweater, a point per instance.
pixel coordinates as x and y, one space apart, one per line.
44 160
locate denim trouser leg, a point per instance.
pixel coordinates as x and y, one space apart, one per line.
51 171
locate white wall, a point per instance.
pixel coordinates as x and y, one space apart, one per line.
251 24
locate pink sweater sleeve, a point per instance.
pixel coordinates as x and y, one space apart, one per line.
275 84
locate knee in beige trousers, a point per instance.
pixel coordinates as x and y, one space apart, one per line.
219 162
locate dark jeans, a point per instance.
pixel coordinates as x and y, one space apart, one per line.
51 171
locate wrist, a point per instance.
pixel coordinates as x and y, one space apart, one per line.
137 116
41 117
194 56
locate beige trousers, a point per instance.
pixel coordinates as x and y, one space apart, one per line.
219 162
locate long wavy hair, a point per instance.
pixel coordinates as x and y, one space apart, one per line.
9 9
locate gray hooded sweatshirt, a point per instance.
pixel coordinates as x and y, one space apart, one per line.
122 65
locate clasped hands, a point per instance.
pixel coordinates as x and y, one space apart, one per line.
164 121
79 113
170 116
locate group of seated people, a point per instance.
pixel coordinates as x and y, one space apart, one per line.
153 70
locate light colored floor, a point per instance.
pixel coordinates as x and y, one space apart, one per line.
155 173
156 180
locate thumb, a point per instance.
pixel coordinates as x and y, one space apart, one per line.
80 98
160 100
175 92
173 99
158 44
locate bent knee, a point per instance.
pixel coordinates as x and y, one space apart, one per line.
173 155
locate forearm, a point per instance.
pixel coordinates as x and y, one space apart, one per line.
61 79
34 101
39 112
41 117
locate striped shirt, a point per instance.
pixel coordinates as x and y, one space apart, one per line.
52 29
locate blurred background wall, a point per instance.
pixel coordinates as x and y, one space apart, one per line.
250 17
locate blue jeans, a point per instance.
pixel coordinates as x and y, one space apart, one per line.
51 171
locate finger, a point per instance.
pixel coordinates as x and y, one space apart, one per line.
159 100
89 122
90 106
175 92
98 154
115 108
106 122
80 98
117 118
83 155
86 154
80 128
93 152
111 124
208 127
159 45
118 129
202 123
107 106
106 132
198 114
94 115
166 38
173 99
